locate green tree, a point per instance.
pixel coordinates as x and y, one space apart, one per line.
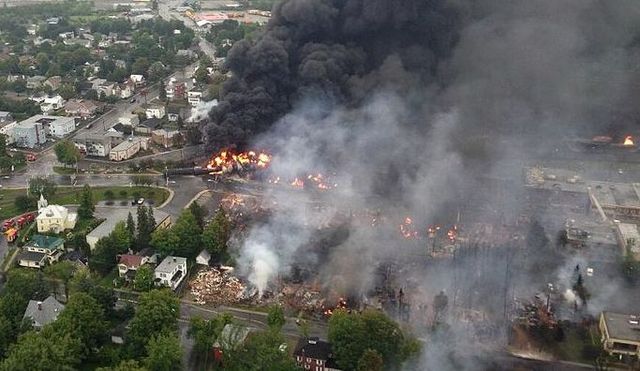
351 334
164 353
275 318
131 227
262 351
165 241
157 312
127 365
25 203
83 319
62 271
198 212
216 235
370 361
143 281
122 237
189 234
67 153
103 258
162 93
87 205
145 227
3 145
205 332
41 185
109 195
46 350
84 282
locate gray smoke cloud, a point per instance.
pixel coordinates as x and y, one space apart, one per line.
409 122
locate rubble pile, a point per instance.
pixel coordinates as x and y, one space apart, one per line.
534 176
239 205
302 298
216 286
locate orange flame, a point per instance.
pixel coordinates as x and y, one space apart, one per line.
628 141
227 161
407 229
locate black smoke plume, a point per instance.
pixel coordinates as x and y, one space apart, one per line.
334 50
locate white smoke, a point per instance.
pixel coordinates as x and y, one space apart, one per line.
264 264
570 296
201 111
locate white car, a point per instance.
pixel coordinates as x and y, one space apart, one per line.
140 201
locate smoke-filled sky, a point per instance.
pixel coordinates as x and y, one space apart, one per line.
407 102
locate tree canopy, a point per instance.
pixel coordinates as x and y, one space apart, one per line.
157 312
351 334
216 235
164 353
67 153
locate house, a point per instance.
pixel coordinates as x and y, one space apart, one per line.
231 337
96 83
66 35
51 103
42 313
156 110
115 136
61 126
8 130
81 107
171 272
129 119
6 117
128 265
124 90
93 144
628 239
203 258
177 89
77 257
166 138
40 251
187 53
147 126
128 149
138 80
34 82
620 334
53 82
53 20
54 218
82 42
314 354
30 132
194 97
162 220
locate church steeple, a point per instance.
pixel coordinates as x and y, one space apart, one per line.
42 202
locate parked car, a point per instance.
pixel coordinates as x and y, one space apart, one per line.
140 201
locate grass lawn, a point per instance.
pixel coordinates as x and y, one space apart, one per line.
64 170
71 195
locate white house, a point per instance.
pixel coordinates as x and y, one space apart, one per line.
128 149
157 111
171 272
51 104
8 131
62 126
138 80
194 97
54 218
129 119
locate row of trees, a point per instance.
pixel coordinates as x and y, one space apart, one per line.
189 234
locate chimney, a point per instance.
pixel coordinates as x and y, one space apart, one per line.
39 305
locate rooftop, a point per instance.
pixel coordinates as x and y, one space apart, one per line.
313 348
116 215
131 261
43 312
622 326
231 336
31 256
170 263
44 242
127 144
43 119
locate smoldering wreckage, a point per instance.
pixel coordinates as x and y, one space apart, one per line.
392 139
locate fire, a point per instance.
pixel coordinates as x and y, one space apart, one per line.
628 141
452 233
227 161
407 229
297 183
342 304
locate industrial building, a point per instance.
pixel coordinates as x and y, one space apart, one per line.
128 149
620 334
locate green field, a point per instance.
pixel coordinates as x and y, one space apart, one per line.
71 195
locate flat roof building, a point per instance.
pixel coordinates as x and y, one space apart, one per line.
620 333
116 215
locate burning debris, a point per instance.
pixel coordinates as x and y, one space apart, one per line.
310 181
217 286
628 141
227 162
